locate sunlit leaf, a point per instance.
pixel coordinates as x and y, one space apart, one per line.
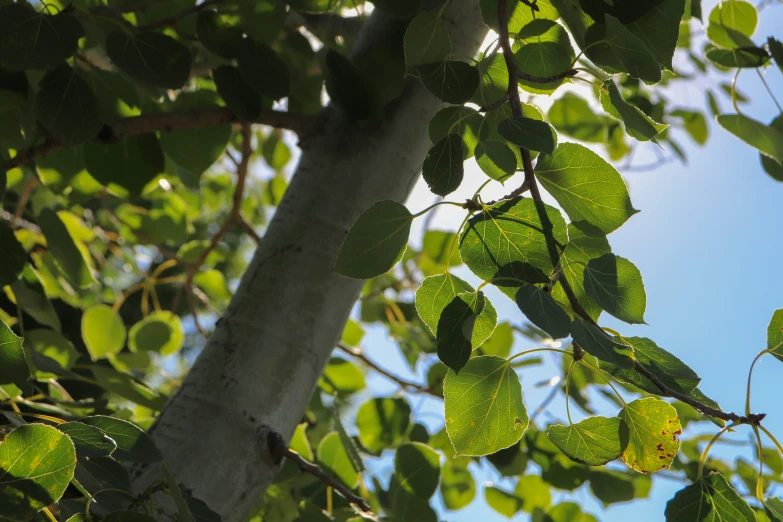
383 423
652 436
593 441
615 284
333 457
417 469
132 443
543 311
465 323
14 368
600 345
443 166
529 133
765 138
710 499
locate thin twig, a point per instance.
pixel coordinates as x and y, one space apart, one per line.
408 385
166 122
570 73
23 199
174 19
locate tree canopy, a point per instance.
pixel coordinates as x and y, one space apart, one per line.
145 149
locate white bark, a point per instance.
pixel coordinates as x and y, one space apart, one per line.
264 359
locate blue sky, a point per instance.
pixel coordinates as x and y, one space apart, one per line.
709 245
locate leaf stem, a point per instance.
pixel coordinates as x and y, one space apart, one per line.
461 205
761 77
606 380
750 376
772 438
711 443
526 352
760 478
567 385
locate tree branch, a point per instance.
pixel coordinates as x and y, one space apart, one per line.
279 451
167 122
546 79
408 385
172 20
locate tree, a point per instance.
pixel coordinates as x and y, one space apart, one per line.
124 234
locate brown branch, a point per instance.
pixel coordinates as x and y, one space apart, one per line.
174 19
570 73
166 122
499 103
524 187
23 199
407 385
277 448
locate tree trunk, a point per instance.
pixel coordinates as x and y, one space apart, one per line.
261 364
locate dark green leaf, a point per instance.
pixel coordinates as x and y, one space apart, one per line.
150 57
765 138
637 124
127 516
399 8
132 443
464 324
352 89
593 441
263 69
37 463
732 23
451 81
775 334
130 163
543 311
14 368
774 508
417 469
14 258
618 50
66 254
742 57
615 284
434 294
520 13
383 423
545 51
493 81
484 409
426 40
460 120
66 105
776 50
771 166
184 513
443 167
107 481
90 442
587 187
36 40
651 441
513 239
674 373
598 344
128 388
239 96
529 134
496 159
333 457
195 149
103 331
658 27
611 486
31 297
218 36
710 499
376 241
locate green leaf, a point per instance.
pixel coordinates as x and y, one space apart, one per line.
774 508
239 96
61 245
128 388
568 512
107 481
36 40
513 239
417 469
451 81
443 167
500 342
38 463
611 486
484 409
103 331
618 50
615 284
218 35
674 373
67 106
637 124
51 345
529 134
399 8
771 166
263 69
542 310
505 503
132 443
376 241
131 163
464 324
593 441
437 247
434 294
765 138
30 296
496 159
426 40
775 334
462 120
520 13
732 23
457 487
710 499
300 443
150 57
127 516
534 493
658 27
342 377
90 442
14 368
743 57
333 457
652 434
159 332
572 116
14 258
383 423
545 50
195 150
587 187
352 333
352 89
493 81
598 344
776 50
695 124
585 242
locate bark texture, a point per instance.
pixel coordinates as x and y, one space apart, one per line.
260 366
